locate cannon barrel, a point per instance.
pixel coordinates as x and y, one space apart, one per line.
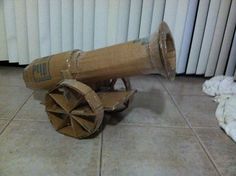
155 54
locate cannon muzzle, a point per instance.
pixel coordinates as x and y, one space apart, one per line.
155 54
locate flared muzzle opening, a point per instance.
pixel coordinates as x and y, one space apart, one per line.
167 51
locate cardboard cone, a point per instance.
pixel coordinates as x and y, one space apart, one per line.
144 56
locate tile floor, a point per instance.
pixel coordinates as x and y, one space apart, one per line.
169 129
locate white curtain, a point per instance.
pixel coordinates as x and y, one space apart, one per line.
204 30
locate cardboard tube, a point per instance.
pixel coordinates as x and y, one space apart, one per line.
144 56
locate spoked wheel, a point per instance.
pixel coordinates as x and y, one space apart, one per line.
74 109
120 84
125 81
116 85
127 87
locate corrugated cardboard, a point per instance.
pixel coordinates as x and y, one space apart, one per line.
81 84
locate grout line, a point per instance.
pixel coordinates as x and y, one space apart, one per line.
194 132
190 95
151 125
210 127
18 86
207 152
4 128
100 156
4 118
128 124
31 120
175 94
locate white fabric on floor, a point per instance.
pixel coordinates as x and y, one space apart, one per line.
219 85
224 88
226 114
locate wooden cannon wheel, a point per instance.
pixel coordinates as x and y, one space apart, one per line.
74 109
125 81
115 85
127 87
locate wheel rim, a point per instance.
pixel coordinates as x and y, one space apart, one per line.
74 109
127 87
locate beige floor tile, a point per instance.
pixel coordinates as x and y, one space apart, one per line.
199 110
2 125
146 83
34 148
132 150
154 108
12 98
32 110
221 148
184 85
11 76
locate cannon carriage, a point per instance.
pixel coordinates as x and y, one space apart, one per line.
83 85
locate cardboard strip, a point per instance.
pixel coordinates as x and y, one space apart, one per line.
90 109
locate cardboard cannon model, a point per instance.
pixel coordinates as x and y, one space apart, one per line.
82 85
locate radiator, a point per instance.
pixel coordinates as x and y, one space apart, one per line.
204 30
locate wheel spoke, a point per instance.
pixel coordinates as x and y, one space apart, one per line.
83 111
62 102
58 123
78 129
87 125
74 109
73 97
113 82
56 109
